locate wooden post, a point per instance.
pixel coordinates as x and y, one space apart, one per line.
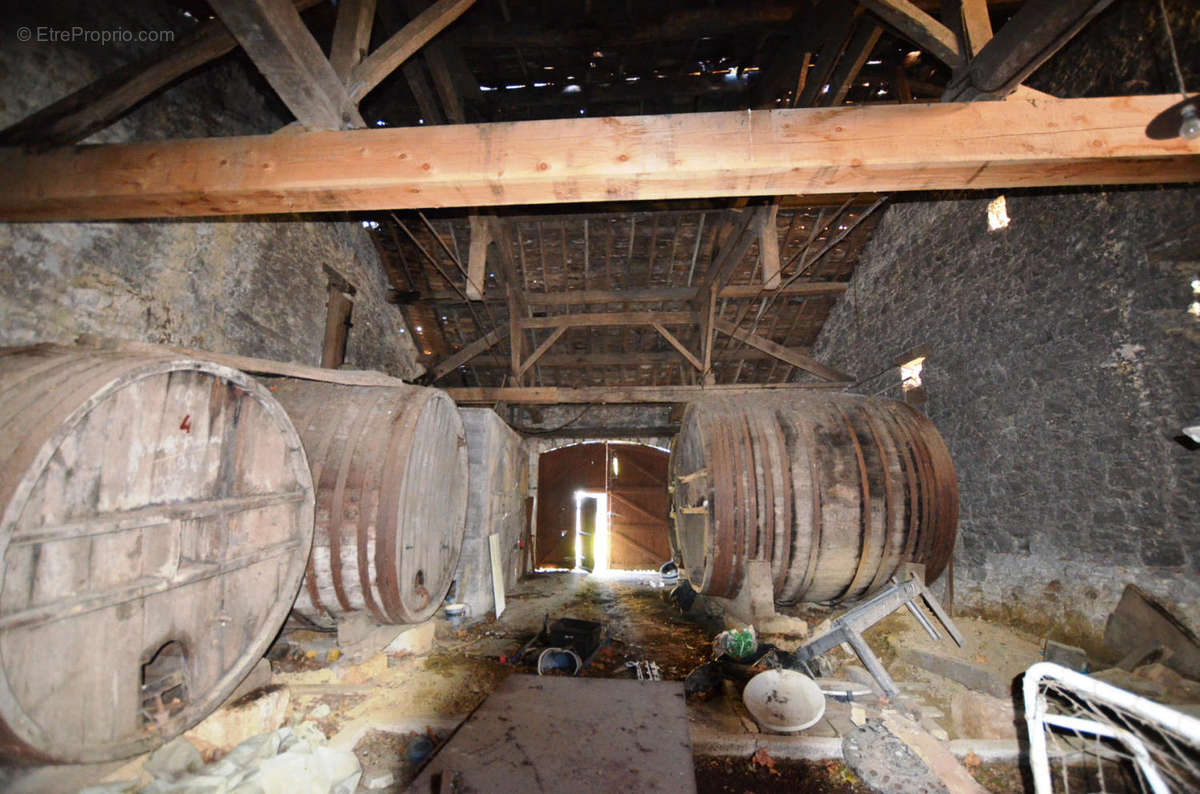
337 328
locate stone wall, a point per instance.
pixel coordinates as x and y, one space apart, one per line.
1062 365
499 483
253 286
1063 360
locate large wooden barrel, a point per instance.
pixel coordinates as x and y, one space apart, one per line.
390 468
157 516
835 490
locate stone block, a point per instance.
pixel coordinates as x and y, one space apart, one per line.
978 716
417 640
972 676
359 637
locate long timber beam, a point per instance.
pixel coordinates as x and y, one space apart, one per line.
1025 142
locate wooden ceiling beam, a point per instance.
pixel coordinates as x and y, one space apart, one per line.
104 101
653 358
445 367
273 35
851 63
974 25
806 363
675 343
541 349
351 35
1018 143
579 297
609 319
371 71
920 28
1038 30
550 395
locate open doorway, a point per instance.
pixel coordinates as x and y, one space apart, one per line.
591 531
603 506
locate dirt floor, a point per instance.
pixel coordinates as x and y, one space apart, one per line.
394 710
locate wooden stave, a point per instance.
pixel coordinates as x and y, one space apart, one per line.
369 554
81 382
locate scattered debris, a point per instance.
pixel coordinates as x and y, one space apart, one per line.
1140 623
553 661
1068 656
285 761
646 670
784 700
257 712
738 644
849 627
887 764
762 758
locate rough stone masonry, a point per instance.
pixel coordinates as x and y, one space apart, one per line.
1063 363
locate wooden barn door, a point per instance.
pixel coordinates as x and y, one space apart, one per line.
638 504
562 472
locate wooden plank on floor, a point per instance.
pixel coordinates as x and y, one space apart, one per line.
550 734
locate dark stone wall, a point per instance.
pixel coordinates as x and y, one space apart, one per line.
253 286
1064 360
1063 363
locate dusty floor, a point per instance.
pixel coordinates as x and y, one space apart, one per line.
394 710
415 698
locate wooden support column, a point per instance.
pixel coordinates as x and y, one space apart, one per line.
518 309
273 35
768 248
920 28
708 332
481 238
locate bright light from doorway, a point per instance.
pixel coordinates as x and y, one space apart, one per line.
601 540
